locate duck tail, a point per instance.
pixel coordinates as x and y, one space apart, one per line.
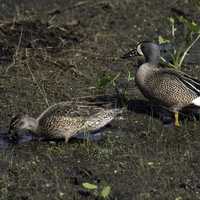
101 119
196 102
191 83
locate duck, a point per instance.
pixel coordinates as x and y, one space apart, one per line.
63 120
168 87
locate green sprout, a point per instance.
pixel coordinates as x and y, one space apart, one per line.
130 78
102 192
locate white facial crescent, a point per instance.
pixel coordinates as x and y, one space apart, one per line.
139 50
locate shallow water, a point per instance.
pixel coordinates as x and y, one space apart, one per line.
25 137
6 142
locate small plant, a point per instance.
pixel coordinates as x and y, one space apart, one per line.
106 79
102 192
130 78
191 36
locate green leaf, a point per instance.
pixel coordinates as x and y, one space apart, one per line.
181 19
115 78
162 40
89 186
171 19
179 198
190 24
130 78
105 192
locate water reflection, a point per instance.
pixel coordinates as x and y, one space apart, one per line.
6 141
25 136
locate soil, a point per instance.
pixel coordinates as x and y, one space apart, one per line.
57 50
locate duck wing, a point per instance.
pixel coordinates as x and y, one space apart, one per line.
190 82
69 109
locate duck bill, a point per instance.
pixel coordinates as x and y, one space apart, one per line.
130 54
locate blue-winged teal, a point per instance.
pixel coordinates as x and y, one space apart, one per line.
64 120
168 87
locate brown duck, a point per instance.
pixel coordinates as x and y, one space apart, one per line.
64 120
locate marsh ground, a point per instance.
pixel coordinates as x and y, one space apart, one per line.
56 50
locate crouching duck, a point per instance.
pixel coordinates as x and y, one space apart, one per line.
64 120
168 87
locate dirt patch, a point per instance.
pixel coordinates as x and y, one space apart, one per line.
15 36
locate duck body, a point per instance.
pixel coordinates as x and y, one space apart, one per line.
168 87
165 86
64 120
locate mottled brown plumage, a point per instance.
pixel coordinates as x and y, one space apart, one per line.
63 120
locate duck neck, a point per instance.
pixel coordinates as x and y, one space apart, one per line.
152 56
153 60
35 126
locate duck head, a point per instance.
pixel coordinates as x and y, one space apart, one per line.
149 50
21 124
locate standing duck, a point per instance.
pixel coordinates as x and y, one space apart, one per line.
63 121
168 87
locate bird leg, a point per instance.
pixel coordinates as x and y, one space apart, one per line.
177 124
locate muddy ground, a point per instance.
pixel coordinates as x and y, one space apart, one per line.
57 50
